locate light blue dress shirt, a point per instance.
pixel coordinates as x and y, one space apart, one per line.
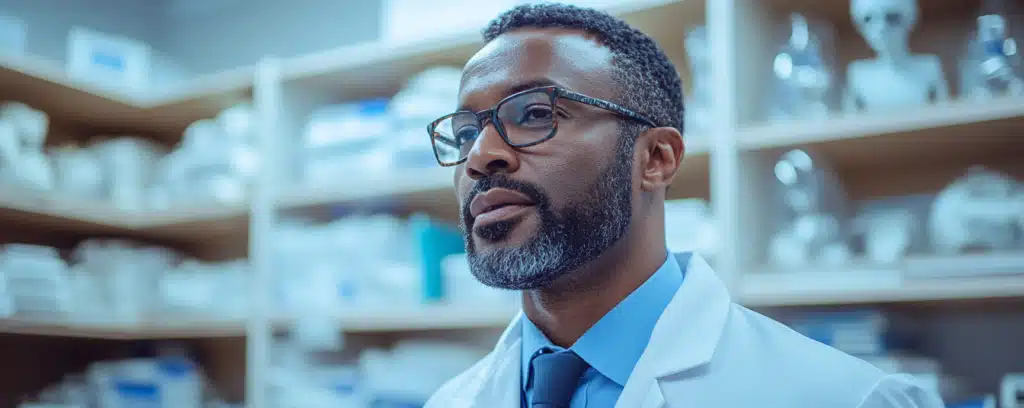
614 344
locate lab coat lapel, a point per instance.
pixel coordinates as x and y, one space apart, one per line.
497 386
684 338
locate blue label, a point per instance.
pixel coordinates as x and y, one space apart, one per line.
138 394
174 368
109 60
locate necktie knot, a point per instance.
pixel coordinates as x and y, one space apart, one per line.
556 375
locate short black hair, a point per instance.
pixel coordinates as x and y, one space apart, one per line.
648 82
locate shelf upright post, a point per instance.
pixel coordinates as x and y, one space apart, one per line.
725 157
263 218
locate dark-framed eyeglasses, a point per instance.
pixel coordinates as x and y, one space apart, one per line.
523 119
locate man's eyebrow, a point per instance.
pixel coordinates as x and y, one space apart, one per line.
522 86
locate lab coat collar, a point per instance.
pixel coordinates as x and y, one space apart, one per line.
689 330
684 338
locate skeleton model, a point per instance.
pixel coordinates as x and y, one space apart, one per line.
895 78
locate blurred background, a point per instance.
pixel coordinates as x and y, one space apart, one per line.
227 203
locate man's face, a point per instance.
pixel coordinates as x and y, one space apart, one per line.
533 215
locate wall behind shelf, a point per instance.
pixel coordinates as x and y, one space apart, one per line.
49 21
222 34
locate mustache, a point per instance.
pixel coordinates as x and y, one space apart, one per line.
530 190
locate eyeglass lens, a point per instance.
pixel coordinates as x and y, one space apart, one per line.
524 119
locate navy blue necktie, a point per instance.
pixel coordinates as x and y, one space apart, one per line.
556 375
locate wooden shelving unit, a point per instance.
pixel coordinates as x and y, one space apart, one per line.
884 154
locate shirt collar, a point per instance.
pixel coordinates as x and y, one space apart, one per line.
626 329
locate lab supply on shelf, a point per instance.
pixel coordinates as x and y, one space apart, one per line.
462 288
689 226
35 280
435 242
78 171
979 211
409 373
128 276
861 333
992 66
987 401
888 234
345 139
108 59
194 290
12 35
802 72
120 63
1011 391
23 133
128 166
895 78
164 381
375 261
375 136
117 282
698 104
813 226
214 164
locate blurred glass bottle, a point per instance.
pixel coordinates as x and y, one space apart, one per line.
992 66
812 227
698 101
802 72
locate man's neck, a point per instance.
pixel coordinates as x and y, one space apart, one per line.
570 307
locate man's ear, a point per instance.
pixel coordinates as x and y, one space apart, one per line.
663 151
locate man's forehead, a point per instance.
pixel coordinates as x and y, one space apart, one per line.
566 57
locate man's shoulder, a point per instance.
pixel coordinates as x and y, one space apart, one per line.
754 343
777 342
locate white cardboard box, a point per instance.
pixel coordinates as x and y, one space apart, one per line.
108 60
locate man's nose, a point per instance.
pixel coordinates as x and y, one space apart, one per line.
490 154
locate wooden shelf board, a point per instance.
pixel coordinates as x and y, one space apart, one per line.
968 119
45 85
144 331
46 209
55 212
884 284
432 187
956 133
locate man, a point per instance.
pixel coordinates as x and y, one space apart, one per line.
567 134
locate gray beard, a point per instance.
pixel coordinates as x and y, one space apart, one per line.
565 240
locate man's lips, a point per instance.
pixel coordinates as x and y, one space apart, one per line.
496 199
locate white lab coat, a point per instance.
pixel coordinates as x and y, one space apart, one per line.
708 352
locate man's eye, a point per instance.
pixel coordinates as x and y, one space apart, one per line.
536 115
466 134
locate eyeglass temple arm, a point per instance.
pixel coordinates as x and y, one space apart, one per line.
603 104
444 140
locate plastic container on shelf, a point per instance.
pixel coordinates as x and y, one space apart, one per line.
346 138
78 171
128 167
35 280
126 275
